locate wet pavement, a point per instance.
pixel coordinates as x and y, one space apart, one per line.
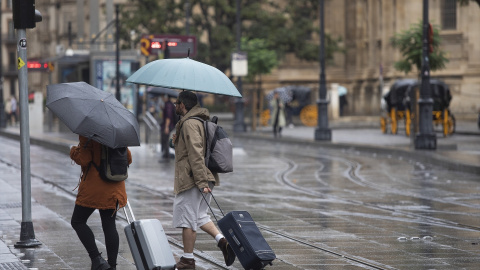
366 200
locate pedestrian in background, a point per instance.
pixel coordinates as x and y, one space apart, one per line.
343 103
192 178
278 114
8 110
13 110
168 124
96 193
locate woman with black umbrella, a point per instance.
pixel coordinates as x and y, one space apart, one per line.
96 193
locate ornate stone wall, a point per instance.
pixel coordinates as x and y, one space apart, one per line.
366 27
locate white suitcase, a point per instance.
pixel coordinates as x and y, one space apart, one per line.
148 243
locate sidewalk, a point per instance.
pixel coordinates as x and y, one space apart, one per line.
458 152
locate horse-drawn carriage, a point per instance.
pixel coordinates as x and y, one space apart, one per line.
398 106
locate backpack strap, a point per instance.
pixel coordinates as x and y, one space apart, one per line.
209 148
97 167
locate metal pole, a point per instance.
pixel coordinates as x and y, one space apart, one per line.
117 54
187 18
3 117
27 235
322 132
426 138
239 125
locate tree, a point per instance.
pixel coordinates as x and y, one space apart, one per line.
286 29
261 60
409 42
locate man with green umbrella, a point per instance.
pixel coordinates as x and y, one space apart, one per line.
192 178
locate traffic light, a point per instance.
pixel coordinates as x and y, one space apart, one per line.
25 15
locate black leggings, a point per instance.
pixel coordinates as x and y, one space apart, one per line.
79 224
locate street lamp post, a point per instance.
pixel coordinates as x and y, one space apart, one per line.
3 117
426 138
322 132
117 54
239 124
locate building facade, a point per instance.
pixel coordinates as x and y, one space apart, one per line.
73 30
366 27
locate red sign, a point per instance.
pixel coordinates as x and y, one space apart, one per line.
178 45
37 65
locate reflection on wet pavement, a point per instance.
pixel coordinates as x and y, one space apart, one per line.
318 208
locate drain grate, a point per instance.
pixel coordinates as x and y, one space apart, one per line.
11 205
12 266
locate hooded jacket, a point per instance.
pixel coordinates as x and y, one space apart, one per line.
93 191
190 169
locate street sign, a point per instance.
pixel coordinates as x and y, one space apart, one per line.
35 65
239 64
178 45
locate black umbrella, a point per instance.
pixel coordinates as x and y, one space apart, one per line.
162 91
93 113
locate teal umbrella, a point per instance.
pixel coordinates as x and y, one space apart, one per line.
186 74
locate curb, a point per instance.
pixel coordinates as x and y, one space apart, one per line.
427 156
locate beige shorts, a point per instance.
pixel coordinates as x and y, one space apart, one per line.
190 209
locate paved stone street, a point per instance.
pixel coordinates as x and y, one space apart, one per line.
366 200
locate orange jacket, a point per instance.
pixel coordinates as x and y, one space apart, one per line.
93 191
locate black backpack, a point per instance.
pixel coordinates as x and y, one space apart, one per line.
113 164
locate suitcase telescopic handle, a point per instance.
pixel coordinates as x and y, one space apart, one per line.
211 193
130 210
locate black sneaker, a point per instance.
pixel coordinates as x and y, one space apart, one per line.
227 251
99 263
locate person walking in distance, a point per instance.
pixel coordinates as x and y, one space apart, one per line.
168 124
278 114
96 193
192 178
13 110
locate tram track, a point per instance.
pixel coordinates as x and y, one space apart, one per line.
202 255
353 174
352 171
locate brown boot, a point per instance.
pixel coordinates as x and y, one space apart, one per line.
185 263
227 251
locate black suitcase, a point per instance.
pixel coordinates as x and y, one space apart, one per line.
148 244
245 238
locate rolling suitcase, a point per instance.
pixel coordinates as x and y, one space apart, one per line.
245 238
148 243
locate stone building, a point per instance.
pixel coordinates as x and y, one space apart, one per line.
366 27
64 38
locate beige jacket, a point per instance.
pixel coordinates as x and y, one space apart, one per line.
190 169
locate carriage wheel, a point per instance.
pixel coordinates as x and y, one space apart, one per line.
408 122
449 127
265 117
383 124
309 115
393 115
